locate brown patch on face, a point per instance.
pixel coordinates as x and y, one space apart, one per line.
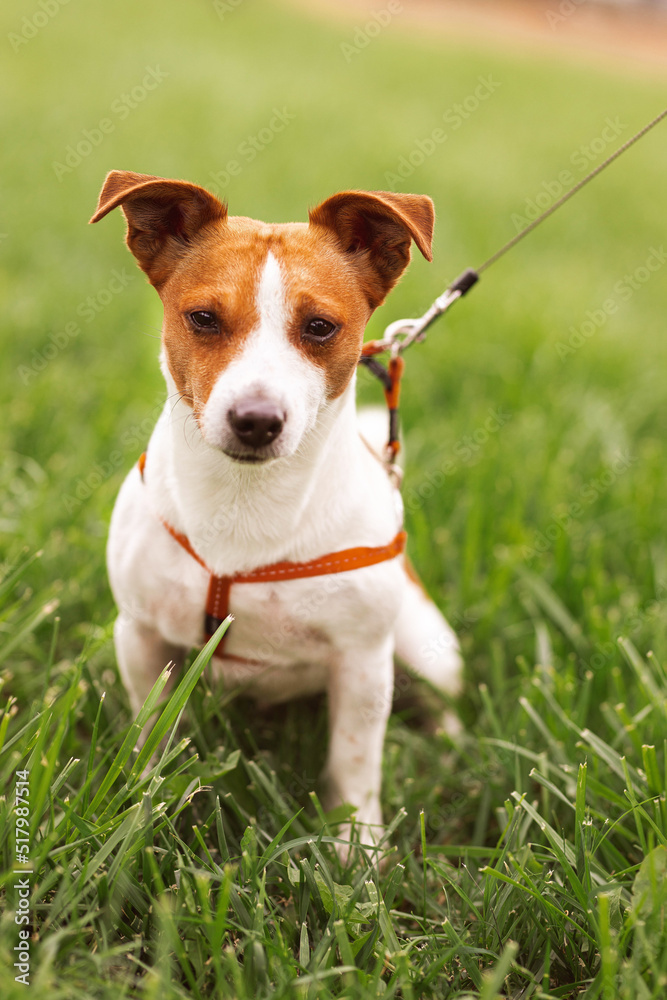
320 283
220 275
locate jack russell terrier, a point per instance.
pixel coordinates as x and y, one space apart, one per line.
257 493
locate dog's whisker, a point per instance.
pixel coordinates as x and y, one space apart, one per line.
190 441
179 397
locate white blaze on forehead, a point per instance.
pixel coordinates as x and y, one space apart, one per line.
271 304
270 367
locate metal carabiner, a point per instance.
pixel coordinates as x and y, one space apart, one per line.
404 332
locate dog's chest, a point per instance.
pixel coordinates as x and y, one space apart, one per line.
287 636
279 623
277 646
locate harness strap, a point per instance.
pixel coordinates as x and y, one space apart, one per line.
391 380
217 600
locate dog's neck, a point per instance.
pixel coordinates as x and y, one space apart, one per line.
239 516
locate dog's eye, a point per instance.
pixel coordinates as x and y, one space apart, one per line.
319 329
201 319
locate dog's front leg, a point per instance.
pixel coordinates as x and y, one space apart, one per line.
360 694
142 655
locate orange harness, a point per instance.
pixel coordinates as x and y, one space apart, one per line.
217 600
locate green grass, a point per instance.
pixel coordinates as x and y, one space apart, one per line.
524 859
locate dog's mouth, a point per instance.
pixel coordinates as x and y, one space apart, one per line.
247 457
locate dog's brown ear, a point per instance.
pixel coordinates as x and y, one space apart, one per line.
375 228
163 217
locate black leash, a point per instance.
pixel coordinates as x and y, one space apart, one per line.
569 194
414 330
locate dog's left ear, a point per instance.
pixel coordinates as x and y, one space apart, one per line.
375 228
163 217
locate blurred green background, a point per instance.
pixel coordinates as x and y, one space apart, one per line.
534 421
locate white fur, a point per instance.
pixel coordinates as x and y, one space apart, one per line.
324 492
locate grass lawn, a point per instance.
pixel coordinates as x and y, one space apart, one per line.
525 858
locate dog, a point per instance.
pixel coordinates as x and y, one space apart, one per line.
257 464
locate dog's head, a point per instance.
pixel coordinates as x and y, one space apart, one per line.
263 324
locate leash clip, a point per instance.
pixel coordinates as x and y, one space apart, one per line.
405 332
394 471
397 337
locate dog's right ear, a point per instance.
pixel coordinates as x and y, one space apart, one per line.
163 217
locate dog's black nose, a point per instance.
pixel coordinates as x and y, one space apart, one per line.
256 422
